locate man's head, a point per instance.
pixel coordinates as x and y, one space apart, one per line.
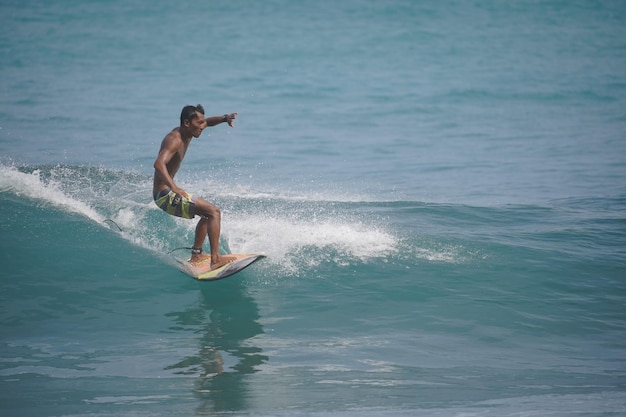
192 118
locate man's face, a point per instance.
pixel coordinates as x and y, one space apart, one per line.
197 125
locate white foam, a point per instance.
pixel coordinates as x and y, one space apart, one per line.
284 239
32 185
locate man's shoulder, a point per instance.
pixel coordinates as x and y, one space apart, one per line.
174 133
173 136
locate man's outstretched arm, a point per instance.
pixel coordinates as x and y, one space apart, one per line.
216 120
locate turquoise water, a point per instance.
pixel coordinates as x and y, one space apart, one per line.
438 188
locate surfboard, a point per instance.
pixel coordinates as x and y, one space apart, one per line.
203 272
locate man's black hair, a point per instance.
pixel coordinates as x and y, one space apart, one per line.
189 113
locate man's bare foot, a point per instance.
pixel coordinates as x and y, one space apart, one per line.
197 259
222 260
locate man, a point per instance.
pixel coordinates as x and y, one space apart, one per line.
178 202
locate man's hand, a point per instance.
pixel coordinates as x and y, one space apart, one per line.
228 118
181 192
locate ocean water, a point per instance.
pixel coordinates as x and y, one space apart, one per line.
439 188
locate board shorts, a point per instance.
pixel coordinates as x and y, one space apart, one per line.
175 204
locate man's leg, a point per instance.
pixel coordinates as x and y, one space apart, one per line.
209 225
201 233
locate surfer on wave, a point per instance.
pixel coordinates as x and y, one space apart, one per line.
178 202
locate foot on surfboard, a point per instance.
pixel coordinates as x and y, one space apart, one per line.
222 260
197 259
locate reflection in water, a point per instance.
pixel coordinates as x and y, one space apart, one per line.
227 320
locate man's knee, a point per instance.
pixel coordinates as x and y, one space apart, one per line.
216 212
210 211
